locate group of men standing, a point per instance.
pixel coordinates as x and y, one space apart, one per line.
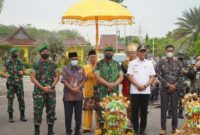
85 87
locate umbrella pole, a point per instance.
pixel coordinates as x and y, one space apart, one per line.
97 37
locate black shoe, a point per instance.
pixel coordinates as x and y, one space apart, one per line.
77 133
136 132
180 115
86 131
169 116
11 117
37 130
143 133
55 118
22 117
50 130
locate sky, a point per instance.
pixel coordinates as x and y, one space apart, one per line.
153 17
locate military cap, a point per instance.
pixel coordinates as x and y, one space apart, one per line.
72 54
141 47
42 47
109 48
12 50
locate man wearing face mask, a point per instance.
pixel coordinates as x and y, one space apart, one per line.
14 71
44 75
183 87
169 72
73 79
108 75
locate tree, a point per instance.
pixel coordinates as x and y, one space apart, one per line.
146 38
6 31
118 1
132 39
129 40
4 53
189 26
56 46
68 33
1 5
195 49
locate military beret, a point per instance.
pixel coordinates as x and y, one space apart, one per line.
72 54
42 47
12 50
109 48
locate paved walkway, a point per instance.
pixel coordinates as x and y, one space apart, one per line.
27 128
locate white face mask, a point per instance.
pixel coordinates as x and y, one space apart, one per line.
170 54
74 62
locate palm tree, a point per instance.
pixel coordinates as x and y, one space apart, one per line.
189 26
1 5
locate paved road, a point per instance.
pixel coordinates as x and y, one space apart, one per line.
27 128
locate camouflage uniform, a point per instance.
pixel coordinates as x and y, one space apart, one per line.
45 73
15 83
197 82
110 72
183 86
194 76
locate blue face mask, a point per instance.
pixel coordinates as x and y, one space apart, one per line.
74 62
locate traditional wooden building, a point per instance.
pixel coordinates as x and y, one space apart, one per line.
21 38
111 40
77 44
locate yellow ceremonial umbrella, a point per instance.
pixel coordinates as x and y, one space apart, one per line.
97 12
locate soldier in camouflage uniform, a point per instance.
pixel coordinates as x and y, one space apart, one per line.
45 76
197 77
109 75
193 74
14 71
183 86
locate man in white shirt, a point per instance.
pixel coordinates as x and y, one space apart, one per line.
141 75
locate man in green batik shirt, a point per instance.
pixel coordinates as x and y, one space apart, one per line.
14 71
45 76
108 75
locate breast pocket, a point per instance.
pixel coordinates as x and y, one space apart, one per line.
135 70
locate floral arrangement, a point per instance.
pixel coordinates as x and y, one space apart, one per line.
115 116
191 104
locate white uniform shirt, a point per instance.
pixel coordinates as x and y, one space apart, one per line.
141 72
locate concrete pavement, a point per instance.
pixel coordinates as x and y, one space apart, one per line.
27 128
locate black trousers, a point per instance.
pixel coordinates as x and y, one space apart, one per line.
69 107
140 104
165 99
